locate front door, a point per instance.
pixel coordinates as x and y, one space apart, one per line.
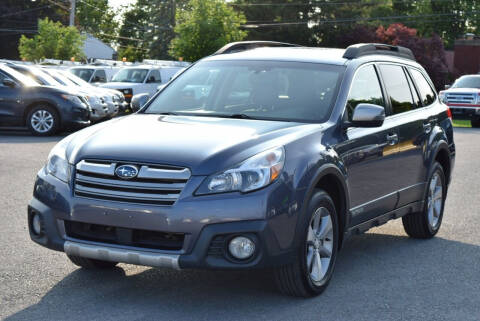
369 154
9 103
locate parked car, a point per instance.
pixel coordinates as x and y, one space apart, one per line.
142 79
95 74
463 98
102 105
110 96
44 110
288 153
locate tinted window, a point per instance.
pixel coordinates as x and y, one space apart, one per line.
365 89
154 77
397 87
413 91
427 93
100 76
257 89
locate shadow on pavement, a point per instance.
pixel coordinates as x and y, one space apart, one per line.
376 274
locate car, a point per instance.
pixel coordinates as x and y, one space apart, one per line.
112 97
44 110
141 79
463 98
94 74
285 154
102 105
99 109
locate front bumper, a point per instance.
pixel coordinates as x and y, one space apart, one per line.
465 112
207 223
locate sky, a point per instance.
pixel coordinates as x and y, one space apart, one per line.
117 3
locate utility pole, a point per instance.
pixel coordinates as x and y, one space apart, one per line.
72 13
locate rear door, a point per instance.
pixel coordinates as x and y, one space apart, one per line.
413 129
369 154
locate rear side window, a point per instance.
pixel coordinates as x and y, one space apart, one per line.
426 91
365 90
397 87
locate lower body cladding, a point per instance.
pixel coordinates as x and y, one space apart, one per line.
196 232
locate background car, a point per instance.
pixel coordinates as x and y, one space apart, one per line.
142 79
43 109
95 74
463 98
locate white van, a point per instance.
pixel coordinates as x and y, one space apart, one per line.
94 74
141 79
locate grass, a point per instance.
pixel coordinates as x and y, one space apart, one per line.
461 123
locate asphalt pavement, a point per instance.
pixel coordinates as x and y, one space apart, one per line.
381 275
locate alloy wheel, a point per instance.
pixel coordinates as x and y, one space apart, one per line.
42 121
319 245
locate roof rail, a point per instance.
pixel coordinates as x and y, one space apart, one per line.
247 45
364 49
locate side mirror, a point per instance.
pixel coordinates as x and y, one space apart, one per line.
9 83
447 86
138 101
368 115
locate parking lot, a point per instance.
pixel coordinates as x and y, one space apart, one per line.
381 275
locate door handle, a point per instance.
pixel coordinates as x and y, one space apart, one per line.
427 127
392 139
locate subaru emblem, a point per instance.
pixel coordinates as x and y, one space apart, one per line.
126 171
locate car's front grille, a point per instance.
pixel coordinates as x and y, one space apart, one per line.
460 98
124 236
154 184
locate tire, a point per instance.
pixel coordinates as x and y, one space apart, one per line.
299 278
91 264
425 224
50 117
475 123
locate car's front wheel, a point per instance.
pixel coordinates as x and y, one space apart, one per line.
43 120
425 224
313 269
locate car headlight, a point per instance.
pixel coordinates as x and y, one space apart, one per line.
57 164
252 174
442 95
72 98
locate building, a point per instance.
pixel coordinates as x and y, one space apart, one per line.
94 48
467 55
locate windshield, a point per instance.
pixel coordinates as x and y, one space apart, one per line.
27 81
130 75
60 78
83 73
467 82
42 77
272 90
76 80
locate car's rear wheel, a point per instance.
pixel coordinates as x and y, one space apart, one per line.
313 269
43 120
425 224
91 264
475 123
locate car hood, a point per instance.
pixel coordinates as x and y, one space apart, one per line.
204 144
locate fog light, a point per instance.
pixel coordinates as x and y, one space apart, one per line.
241 247
36 224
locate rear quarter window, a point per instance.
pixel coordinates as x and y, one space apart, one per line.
426 92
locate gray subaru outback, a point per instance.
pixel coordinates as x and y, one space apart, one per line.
262 155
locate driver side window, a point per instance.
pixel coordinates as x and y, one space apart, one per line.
365 90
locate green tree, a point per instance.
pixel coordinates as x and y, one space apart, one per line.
97 17
53 40
131 53
205 26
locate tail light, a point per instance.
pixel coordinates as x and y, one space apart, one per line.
449 113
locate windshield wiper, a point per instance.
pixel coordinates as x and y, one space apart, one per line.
169 113
235 116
